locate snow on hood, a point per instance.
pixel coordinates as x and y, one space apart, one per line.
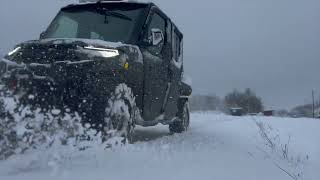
93 42
97 44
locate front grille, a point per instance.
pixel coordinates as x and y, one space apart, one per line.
46 54
40 70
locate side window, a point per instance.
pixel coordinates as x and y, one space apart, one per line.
169 32
156 23
176 46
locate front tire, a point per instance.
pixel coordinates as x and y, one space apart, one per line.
183 122
120 114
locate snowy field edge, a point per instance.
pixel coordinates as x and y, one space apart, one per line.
216 146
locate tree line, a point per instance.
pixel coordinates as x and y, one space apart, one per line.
247 100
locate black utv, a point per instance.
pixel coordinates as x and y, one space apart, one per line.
118 64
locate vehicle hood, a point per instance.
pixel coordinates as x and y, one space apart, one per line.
47 51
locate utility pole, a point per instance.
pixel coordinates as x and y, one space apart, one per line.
313 115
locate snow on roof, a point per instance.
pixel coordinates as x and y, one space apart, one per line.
81 2
92 2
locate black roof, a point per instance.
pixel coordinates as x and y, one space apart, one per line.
105 2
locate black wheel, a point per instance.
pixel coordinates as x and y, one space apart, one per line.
120 114
183 122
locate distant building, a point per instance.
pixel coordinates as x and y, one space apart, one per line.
317 113
268 113
236 111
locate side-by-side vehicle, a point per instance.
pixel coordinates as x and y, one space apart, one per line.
118 64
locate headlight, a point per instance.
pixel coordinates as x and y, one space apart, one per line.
104 52
14 51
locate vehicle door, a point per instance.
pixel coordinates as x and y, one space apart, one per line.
155 54
175 72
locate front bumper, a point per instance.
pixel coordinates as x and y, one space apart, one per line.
58 85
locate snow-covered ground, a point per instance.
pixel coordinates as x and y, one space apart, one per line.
217 146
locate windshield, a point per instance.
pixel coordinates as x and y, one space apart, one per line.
115 25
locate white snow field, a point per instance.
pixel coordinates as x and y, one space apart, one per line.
216 146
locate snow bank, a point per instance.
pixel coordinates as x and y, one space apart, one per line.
216 147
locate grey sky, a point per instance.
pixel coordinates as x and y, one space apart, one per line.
272 46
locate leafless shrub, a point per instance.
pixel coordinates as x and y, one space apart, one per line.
280 149
263 131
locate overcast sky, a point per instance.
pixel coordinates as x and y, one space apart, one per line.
271 46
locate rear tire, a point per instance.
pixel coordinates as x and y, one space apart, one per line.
183 122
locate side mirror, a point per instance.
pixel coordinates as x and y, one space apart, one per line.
157 37
42 34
